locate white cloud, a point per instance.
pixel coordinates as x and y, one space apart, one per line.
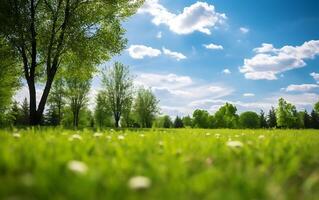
176 55
244 30
198 17
248 95
269 61
159 35
301 88
315 76
176 92
141 51
213 46
226 71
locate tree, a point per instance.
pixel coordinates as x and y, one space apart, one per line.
8 78
25 112
286 114
314 123
178 122
78 83
200 118
306 119
249 119
145 107
262 120
226 116
167 122
118 86
271 118
187 121
56 99
316 107
102 113
42 32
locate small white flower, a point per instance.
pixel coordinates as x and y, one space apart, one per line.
139 183
207 134
234 144
16 135
217 135
109 137
75 137
112 130
261 137
120 137
97 135
77 167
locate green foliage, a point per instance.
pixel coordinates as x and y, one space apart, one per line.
314 122
249 120
178 122
187 121
271 118
118 88
226 116
183 164
163 122
102 112
200 119
145 107
286 115
262 120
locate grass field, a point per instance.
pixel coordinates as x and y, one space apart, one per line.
159 164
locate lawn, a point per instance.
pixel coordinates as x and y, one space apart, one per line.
159 164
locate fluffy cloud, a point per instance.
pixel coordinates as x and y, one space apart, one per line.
213 46
198 17
315 76
248 95
159 35
176 92
176 55
301 88
226 71
269 61
141 51
244 30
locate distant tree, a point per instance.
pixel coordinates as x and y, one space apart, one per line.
316 107
43 32
118 87
306 119
271 118
102 113
145 107
286 114
314 122
262 120
15 113
24 112
52 116
57 99
187 121
249 119
200 119
167 122
211 121
78 78
178 122
226 116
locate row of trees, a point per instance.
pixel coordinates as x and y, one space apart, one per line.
284 116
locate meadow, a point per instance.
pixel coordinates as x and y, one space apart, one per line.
159 164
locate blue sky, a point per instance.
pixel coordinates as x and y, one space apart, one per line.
201 54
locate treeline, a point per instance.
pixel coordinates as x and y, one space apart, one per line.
284 116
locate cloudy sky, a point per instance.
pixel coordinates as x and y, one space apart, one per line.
201 54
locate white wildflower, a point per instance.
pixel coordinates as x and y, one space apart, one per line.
142 135
217 135
207 134
75 137
77 167
97 135
120 137
109 137
234 144
139 183
261 137
16 135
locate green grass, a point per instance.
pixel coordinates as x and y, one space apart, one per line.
181 164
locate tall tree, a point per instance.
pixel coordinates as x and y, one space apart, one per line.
200 118
187 121
178 122
25 112
56 99
306 119
145 107
42 32
102 113
262 120
271 118
314 123
249 119
286 114
118 86
226 116
78 83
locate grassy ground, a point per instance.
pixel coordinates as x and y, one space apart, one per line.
174 164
